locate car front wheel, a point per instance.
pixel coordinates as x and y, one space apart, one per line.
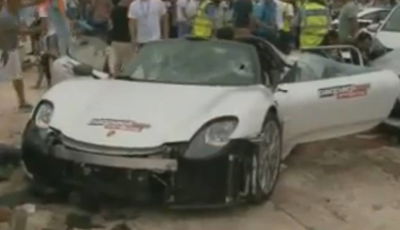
266 161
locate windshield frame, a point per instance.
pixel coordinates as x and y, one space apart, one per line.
389 18
256 64
96 48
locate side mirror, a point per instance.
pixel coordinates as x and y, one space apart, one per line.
373 27
82 70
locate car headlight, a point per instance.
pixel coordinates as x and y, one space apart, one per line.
43 115
218 133
211 139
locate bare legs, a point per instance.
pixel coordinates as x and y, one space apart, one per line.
19 89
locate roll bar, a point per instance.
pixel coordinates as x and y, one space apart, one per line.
345 52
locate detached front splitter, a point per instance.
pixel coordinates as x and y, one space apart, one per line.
123 162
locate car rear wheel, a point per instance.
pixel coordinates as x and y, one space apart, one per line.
266 161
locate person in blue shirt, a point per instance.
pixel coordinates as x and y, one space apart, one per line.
243 19
266 25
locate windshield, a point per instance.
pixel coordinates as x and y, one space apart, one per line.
393 23
195 62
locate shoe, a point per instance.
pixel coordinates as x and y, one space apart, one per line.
25 108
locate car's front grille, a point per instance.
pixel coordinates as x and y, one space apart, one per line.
107 150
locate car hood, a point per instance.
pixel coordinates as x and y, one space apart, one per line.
128 114
389 39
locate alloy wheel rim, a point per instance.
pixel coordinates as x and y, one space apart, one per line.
269 155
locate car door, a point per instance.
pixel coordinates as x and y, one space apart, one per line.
325 108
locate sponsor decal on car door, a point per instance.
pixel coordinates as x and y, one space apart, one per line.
334 107
345 91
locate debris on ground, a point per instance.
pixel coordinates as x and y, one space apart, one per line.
6 171
5 214
13 199
283 167
368 136
122 226
119 213
9 154
74 220
19 219
29 208
4 226
9 161
45 218
80 221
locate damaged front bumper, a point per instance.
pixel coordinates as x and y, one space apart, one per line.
86 158
164 176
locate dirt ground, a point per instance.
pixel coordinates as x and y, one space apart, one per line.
347 183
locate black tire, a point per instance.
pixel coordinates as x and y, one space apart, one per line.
264 181
44 188
396 110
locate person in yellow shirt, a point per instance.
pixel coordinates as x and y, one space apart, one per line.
204 23
315 23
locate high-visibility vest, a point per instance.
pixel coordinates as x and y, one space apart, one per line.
202 25
315 25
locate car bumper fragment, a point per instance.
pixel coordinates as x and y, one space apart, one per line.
163 176
115 161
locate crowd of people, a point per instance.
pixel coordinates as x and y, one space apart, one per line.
127 25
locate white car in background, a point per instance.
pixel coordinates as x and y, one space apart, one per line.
203 128
367 16
388 33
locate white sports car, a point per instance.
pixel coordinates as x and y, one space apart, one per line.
197 123
367 16
389 31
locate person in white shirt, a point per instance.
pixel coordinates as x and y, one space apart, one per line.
284 18
225 14
148 21
49 43
48 26
279 14
185 12
191 9
182 19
